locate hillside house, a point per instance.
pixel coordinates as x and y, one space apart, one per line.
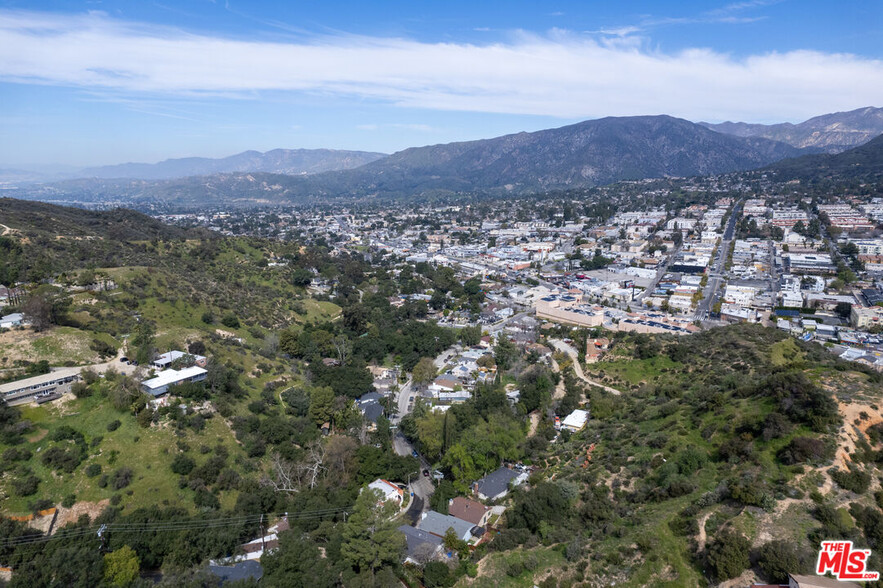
469 510
422 546
160 384
496 484
438 524
167 359
388 491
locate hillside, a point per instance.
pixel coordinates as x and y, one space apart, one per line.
861 164
725 434
38 219
590 153
832 133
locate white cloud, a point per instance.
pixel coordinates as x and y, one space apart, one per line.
561 74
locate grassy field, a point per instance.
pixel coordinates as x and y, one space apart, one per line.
147 452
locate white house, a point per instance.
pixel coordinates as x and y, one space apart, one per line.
166 359
575 421
388 490
160 384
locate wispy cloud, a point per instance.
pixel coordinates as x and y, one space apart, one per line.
561 74
404 126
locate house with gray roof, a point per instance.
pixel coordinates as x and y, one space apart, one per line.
496 484
422 546
438 524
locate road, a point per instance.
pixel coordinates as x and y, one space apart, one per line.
403 402
421 487
651 287
577 368
717 267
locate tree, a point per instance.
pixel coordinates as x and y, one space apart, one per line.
121 566
301 277
231 321
424 372
143 342
728 555
44 308
505 353
370 537
297 562
470 335
321 404
196 348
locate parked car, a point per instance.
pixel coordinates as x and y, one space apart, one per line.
124 359
426 473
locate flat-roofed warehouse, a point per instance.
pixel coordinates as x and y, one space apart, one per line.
55 382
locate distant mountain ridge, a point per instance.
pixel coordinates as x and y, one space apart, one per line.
588 153
585 154
832 133
861 164
278 161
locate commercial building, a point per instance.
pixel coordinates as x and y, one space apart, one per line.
863 317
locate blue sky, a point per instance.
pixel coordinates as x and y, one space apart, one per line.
99 82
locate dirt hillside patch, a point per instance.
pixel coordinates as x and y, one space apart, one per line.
72 514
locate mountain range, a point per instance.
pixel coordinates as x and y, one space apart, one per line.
585 154
831 133
278 161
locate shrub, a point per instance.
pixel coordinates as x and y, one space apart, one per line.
779 558
92 470
113 425
81 390
805 450
122 478
230 321
728 555
182 465
25 486
69 500
853 480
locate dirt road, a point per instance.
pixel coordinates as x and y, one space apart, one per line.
577 368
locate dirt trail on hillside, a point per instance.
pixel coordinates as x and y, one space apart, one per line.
578 369
534 423
702 538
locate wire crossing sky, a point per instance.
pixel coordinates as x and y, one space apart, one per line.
98 82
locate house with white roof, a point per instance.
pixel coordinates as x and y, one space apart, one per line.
160 384
575 421
388 491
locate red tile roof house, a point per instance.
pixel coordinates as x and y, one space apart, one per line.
469 510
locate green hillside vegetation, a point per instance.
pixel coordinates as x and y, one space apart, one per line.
715 429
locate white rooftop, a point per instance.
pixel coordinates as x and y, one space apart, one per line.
576 420
168 377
